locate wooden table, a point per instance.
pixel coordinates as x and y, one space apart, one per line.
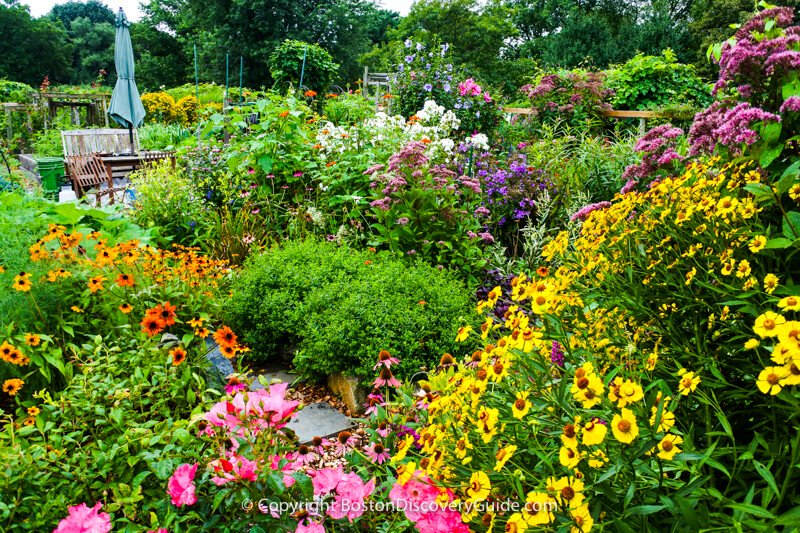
120 165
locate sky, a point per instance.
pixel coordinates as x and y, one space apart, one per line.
131 7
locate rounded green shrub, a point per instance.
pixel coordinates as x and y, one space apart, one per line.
339 307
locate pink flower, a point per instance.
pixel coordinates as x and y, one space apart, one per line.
442 521
312 527
377 453
410 497
235 468
326 480
84 519
385 358
159 530
286 469
181 485
350 495
386 378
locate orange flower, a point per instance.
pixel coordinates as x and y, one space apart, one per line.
310 94
22 282
96 283
330 163
165 312
201 332
283 114
228 351
126 308
152 324
31 339
387 96
12 386
125 280
178 355
225 336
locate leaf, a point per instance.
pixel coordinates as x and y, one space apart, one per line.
163 469
769 155
771 133
778 243
751 509
761 192
275 482
790 89
766 475
117 415
641 510
791 225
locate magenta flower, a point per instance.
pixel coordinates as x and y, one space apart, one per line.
311 527
181 485
84 519
236 468
377 453
442 520
326 480
418 493
350 495
385 359
386 378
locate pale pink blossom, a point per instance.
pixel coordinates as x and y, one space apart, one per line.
85 519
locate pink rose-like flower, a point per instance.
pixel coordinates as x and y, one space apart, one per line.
85 519
326 480
181 485
418 493
350 495
442 521
235 468
159 530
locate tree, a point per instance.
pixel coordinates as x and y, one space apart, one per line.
32 48
160 58
711 24
90 27
94 10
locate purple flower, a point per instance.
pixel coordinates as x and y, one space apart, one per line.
402 221
410 59
557 354
585 210
790 105
428 87
446 87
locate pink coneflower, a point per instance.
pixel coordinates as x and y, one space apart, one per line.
385 359
304 455
377 453
318 444
374 400
383 429
386 378
344 441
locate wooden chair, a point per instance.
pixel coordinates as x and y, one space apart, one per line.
88 173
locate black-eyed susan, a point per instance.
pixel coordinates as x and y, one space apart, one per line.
125 308
33 411
22 282
668 447
166 313
7 351
792 371
228 351
767 324
125 280
769 380
224 336
178 355
196 322
624 426
152 325
12 386
201 332
96 283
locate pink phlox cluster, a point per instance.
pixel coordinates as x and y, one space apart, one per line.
468 87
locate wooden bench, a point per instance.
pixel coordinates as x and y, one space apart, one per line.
90 174
100 141
612 113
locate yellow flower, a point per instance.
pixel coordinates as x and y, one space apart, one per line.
12 386
792 374
743 270
569 436
582 519
751 344
726 205
767 324
794 192
196 322
463 333
521 405
487 423
789 334
770 283
462 447
593 433
769 380
479 487
688 382
624 426
516 524
76 309
570 490
22 282
406 472
790 303
539 507
757 244
667 419
668 447
31 339
503 455
629 393
597 459
690 275
569 457
33 411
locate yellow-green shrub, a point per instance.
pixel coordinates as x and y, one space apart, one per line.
160 107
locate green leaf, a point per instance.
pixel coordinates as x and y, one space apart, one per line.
275 482
117 415
790 89
791 225
766 475
163 469
761 192
641 510
771 133
769 155
748 508
778 243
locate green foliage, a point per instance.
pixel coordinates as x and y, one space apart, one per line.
650 82
347 109
339 307
162 136
13 91
286 66
167 199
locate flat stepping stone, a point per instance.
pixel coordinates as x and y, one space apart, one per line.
277 374
318 420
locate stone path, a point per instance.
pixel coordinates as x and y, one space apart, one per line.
318 419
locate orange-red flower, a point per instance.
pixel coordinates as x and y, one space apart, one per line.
178 355
165 312
310 94
283 114
126 308
96 283
225 336
125 280
228 351
152 324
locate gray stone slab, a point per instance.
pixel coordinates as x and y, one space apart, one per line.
279 375
318 420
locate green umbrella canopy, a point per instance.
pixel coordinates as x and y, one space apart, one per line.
126 105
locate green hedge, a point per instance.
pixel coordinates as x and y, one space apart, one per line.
339 307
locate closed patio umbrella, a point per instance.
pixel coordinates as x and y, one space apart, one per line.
126 105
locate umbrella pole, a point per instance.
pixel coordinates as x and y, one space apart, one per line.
130 133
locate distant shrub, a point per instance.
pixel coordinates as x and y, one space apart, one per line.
287 65
186 110
347 109
160 107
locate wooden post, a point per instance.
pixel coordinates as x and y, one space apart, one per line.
364 89
9 128
642 126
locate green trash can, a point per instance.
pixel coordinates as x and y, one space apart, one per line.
51 169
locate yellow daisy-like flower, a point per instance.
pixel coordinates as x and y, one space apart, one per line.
503 455
757 244
794 192
31 339
790 303
688 383
769 380
405 472
667 421
624 426
479 487
33 411
96 283
789 334
771 282
668 447
628 393
516 524
743 270
726 205
690 275
792 374
521 405
569 457
593 433
570 491
597 459
751 344
582 520
539 507
767 324
462 446
463 333
570 435
76 309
